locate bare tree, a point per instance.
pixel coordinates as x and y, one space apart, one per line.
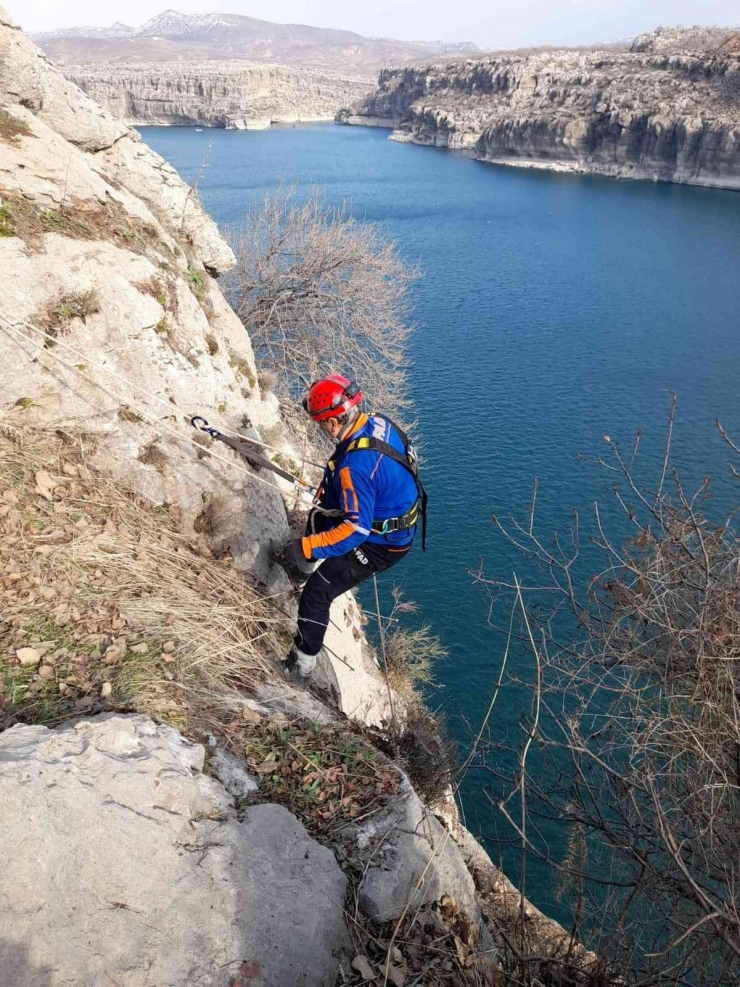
635 724
321 293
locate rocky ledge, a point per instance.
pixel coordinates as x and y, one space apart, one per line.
640 114
234 95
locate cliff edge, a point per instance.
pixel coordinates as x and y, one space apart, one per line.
645 114
175 811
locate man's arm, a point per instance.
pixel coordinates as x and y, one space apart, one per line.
357 498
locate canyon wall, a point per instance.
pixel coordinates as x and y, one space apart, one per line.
659 116
234 95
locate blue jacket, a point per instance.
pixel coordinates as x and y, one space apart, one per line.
366 486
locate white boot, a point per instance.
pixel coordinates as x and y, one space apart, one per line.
306 663
298 662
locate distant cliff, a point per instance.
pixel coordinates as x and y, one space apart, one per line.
660 116
235 95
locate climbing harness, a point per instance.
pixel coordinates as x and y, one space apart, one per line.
409 461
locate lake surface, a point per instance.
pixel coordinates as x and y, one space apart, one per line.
554 309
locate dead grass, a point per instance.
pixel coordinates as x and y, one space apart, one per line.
242 367
432 946
153 455
11 128
55 321
76 220
119 610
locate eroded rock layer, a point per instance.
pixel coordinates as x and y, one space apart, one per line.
665 117
235 95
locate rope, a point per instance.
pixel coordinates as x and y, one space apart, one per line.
143 412
8 323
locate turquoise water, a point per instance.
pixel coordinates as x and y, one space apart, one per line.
554 309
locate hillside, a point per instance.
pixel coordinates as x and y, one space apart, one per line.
638 114
173 36
174 810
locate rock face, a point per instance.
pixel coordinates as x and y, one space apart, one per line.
417 861
111 320
234 95
86 809
90 211
669 40
628 115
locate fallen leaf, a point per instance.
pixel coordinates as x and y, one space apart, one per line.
28 656
10 497
395 975
361 965
44 485
70 470
269 766
106 690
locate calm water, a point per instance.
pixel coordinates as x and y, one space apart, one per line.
554 309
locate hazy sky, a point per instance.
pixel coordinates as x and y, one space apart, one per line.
489 23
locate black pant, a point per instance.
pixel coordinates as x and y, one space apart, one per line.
334 577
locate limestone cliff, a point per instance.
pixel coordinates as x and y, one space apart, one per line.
135 575
112 322
230 94
666 117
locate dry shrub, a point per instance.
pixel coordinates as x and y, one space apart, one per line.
427 752
635 725
153 455
320 293
409 653
125 612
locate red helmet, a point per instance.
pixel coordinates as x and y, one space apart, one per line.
331 397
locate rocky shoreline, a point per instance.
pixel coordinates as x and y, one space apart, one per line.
659 116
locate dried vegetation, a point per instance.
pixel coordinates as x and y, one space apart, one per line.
106 606
319 292
632 741
29 222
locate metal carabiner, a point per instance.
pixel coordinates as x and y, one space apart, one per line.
204 426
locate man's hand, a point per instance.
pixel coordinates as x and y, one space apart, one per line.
293 552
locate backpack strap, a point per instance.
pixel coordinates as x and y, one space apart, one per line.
405 459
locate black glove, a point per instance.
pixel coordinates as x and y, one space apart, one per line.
293 552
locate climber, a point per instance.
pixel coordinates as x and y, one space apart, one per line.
374 501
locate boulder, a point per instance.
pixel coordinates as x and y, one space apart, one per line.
417 861
123 863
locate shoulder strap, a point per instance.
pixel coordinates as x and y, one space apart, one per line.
370 443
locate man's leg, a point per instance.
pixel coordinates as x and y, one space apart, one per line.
334 577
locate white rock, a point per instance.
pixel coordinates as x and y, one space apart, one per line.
28 656
121 862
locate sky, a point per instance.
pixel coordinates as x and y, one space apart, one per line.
488 23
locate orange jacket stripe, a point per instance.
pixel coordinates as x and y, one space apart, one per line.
332 537
349 495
